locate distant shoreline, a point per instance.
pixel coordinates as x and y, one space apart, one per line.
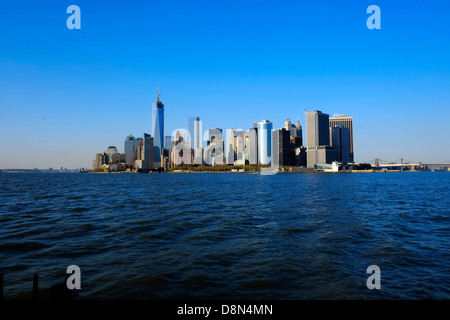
221 172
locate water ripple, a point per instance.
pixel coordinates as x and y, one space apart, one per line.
228 236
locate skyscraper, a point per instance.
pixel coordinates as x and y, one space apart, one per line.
214 153
340 140
318 150
317 129
168 143
299 131
265 142
195 130
148 151
295 131
238 146
157 129
347 122
130 147
213 134
100 160
252 146
229 150
281 147
181 153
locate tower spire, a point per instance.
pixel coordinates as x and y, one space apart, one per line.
158 94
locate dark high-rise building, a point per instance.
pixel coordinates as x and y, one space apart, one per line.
158 129
347 122
299 156
318 150
317 129
148 151
340 140
281 147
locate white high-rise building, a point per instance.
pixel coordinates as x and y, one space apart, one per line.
265 142
229 150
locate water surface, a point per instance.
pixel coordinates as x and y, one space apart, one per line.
227 236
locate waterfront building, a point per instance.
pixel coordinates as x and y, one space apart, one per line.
195 130
299 130
299 154
110 151
288 125
340 140
238 147
252 145
246 144
165 159
198 156
347 122
157 129
181 154
295 139
214 153
265 142
281 147
214 134
100 160
139 162
168 142
318 150
294 130
148 151
130 148
229 150
117 157
324 155
296 142
137 141
113 156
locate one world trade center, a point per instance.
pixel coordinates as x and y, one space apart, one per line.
157 130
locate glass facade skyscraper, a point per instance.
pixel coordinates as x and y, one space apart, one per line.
148 151
347 122
130 148
265 142
319 150
157 130
340 140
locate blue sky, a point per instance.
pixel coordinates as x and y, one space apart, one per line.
68 94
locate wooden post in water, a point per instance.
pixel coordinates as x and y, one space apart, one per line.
35 287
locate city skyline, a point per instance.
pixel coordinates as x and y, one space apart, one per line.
67 94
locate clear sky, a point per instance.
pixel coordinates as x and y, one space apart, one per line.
68 94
